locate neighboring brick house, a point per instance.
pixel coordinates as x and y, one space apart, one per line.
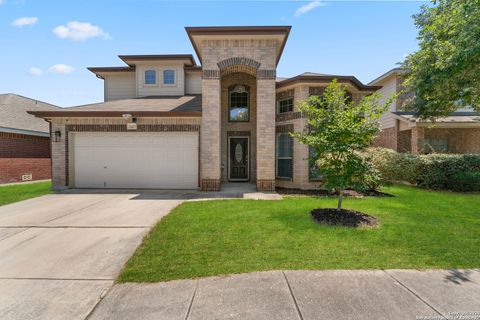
24 140
169 123
404 132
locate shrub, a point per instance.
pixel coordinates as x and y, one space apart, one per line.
436 170
394 166
433 171
464 181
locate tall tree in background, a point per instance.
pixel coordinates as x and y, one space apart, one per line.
444 74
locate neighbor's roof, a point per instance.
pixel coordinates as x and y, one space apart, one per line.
280 32
326 78
154 106
456 117
15 119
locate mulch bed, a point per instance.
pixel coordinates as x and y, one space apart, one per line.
343 217
322 192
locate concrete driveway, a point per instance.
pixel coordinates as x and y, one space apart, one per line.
60 253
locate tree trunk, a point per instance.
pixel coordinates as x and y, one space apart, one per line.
340 199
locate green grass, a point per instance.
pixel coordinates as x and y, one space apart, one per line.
418 229
19 192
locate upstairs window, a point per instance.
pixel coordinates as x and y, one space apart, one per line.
150 77
238 104
168 76
285 105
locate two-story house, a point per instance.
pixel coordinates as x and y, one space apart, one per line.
169 123
404 132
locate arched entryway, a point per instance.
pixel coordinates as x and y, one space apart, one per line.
238 84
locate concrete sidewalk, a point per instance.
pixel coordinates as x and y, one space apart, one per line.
334 294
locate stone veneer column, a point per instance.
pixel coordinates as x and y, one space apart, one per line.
265 133
59 179
210 132
418 137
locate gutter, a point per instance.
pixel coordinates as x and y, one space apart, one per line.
90 114
25 132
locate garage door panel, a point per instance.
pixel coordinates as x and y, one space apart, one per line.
136 160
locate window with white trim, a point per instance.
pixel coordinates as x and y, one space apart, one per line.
168 76
284 156
150 77
285 105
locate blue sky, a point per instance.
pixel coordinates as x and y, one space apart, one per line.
46 45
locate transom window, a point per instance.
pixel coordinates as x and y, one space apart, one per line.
284 156
150 77
168 76
239 109
285 105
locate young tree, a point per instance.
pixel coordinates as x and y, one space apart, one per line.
339 129
444 73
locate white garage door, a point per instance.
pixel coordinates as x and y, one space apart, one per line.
135 160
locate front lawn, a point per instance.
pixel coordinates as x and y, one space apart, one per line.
418 229
19 192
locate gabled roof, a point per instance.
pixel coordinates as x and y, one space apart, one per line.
131 59
15 119
454 117
279 32
325 78
154 106
387 74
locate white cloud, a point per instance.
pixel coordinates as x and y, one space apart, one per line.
25 21
61 68
80 31
35 71
307 7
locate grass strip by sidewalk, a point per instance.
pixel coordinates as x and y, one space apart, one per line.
19 192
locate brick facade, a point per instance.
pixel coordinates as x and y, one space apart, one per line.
386 138
238 128
14 145
12 169
460 140
404 142
227 61
296 121
210 135
61 150
24 155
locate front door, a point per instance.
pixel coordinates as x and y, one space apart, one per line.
238 159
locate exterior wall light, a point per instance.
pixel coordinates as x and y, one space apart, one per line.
57 136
